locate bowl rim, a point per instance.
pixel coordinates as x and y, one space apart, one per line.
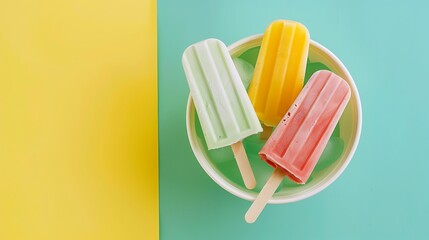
296 197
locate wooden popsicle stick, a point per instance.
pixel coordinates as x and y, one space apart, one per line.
265 195
266 133
243 165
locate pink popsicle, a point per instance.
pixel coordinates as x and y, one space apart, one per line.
301 136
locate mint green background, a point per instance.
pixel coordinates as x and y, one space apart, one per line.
384 192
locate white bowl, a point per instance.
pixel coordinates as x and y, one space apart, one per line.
350 126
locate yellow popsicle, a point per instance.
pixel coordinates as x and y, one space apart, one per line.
280 69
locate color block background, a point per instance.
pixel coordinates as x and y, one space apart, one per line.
383 194
78 120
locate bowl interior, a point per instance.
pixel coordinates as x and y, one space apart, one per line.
220 163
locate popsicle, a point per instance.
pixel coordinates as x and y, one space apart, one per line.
298 141
223 106
280 70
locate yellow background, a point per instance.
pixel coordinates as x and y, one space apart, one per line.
78 120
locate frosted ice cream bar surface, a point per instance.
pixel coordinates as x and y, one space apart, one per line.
280 70
297 143
301 136
223 106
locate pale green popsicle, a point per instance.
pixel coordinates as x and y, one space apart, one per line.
223 106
